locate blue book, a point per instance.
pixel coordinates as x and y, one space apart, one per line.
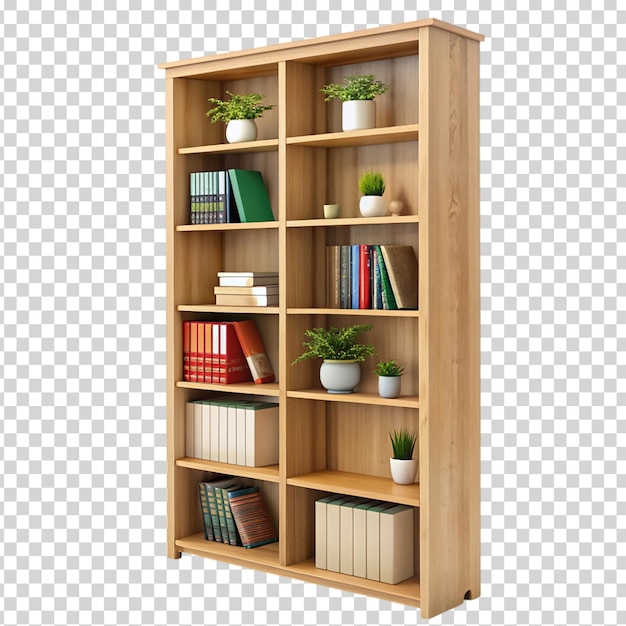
354 274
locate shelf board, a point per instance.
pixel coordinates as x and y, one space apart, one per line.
357 312
368 137
227 227
354 221
363 485
265 389
214 308
268 473
406 592
261 145
410 402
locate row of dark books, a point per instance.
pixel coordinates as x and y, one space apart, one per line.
235 514
371 276
228 196
224 352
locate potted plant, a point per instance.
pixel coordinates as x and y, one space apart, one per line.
389 378
357 95
372 186
341 355
403 466
239 113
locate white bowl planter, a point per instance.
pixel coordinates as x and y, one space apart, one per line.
389 386
340 376
358 114
372 206
403 471
241 130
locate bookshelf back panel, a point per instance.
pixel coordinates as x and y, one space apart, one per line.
358 436
199 256
305 436
250 250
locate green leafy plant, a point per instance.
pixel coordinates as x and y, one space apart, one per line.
359 87
389 368
372 184
336 344
403 443
239 107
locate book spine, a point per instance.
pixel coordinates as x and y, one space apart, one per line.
333 277
355 269
206 513
365 294
344 281
215 521
254 351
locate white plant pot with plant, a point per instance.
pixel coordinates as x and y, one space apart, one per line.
372 186
357 94
389 378
341 355
239 113
402 465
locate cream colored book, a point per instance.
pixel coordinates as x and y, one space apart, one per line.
189 423
197 430
223 441
397 561
401 265
241 433
223 299
206 430
373 539
261 434
333 533
259 290
232 433
215 432
359 540
321 506
346 535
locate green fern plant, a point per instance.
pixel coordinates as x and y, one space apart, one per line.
372 184
239 107
403 443
336 344
359 87
389 368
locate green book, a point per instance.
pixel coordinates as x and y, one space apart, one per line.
251 197
388 299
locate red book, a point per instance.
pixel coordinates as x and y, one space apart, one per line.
365 273
231 364
254 350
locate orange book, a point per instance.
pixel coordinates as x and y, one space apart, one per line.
254 350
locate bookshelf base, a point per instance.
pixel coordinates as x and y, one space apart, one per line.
266 558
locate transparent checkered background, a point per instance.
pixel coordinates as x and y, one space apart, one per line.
82 298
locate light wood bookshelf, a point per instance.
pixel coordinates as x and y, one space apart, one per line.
426 144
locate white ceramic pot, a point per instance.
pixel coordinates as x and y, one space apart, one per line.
241 130
340 376
403 471
389 386
372 206
358 114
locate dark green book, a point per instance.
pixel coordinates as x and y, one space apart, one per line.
206 513
251 197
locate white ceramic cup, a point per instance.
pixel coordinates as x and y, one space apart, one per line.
331 210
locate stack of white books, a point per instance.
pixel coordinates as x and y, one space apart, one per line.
246 289
366 538
239 432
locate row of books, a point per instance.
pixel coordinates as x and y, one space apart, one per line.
371 276
235 513
228 196
365 538
246 289
224 352
236 431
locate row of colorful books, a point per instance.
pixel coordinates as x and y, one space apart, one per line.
235 513
365 538
228 196
236 431
246 289
371 276
224 352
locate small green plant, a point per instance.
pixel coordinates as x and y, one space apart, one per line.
360 87
239 107
403 443
336 344
372 184
389 368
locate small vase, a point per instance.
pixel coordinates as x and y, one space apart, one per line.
340 376
372 206
358 114
403 471
241 130
389 386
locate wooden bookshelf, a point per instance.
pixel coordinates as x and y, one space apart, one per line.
426 145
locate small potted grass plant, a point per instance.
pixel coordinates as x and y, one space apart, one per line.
389 378
372 186
239 113
357 95
341 355
403 466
